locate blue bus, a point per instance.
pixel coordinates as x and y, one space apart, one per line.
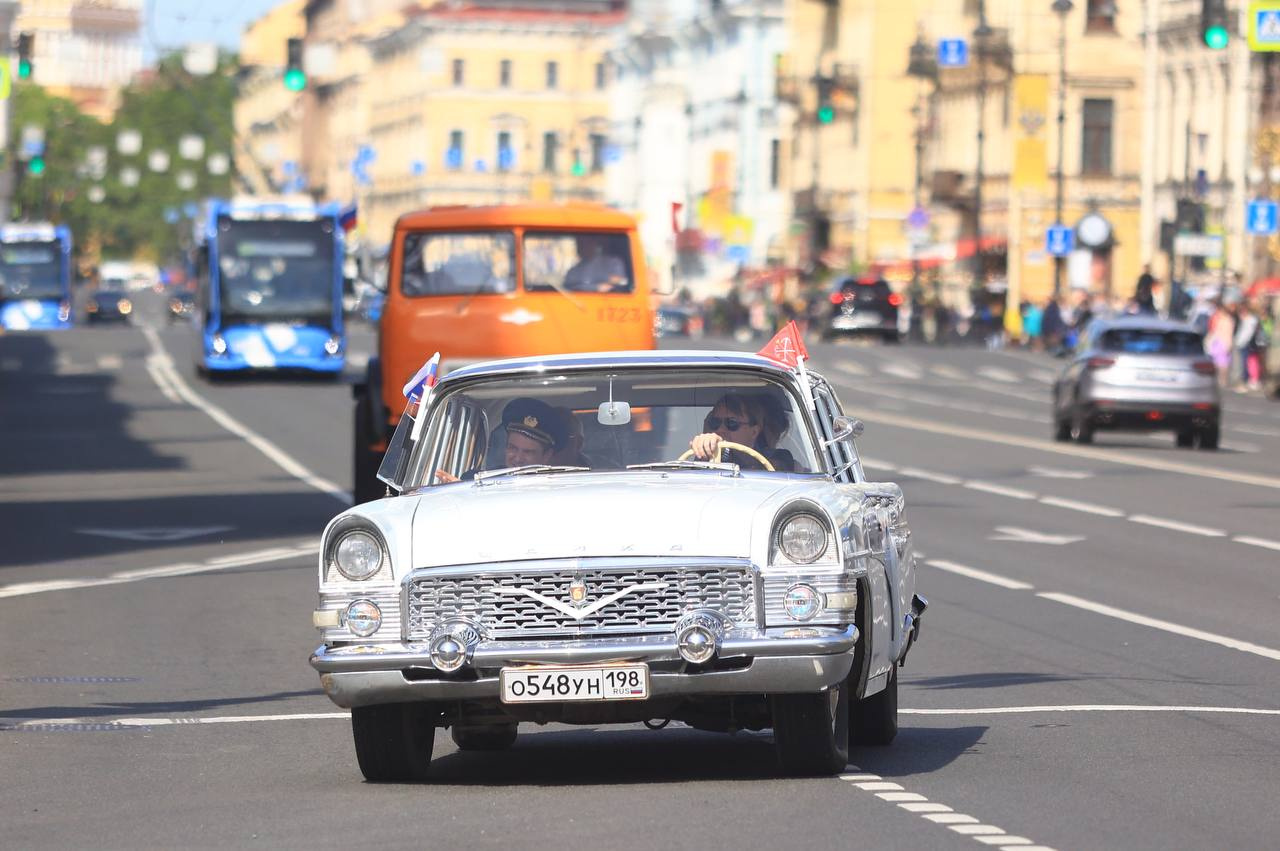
269 287
35 276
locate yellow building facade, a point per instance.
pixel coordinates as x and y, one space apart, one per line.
267 116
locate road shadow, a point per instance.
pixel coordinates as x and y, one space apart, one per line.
165 708
1003 679
54 422
90 528
917 750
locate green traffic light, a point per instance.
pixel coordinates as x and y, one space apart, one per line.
36 166
578 169
295 80
1217 37
826 114
24 70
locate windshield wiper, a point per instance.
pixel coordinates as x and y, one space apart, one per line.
528 469
686 464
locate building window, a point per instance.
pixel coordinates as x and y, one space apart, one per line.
550 152
1095 142
453 156
459 72
775 162
504 73
1100 16
600 75
553 75
506 155
597 153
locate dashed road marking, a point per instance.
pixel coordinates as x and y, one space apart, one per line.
1086 507
1257 542
980 575
998 490
940 478
1054 473
909 372
851 368
996 373
1176 525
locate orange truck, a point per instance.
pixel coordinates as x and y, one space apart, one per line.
480 283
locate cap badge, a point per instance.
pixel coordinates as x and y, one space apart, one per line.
531 421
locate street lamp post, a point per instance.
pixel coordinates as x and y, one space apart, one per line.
980 36
923 66
1061 8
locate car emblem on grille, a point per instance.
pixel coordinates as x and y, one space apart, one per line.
577 592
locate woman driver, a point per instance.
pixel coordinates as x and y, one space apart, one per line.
743 419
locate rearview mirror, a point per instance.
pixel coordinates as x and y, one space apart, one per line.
843 428
614 413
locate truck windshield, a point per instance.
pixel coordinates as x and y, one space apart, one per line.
30 270
276 270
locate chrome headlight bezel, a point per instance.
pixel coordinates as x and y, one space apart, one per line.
342 531
783 551
363 555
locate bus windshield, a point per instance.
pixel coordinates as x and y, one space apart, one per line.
276 270
31 270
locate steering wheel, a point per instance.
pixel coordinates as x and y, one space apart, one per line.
737 447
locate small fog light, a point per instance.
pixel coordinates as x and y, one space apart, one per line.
447 653
697 645
363 617
802 602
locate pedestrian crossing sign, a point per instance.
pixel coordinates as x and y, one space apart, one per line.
1264 26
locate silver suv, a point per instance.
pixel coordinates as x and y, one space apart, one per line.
1139 373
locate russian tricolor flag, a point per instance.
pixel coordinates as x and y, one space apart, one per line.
347 218
424 378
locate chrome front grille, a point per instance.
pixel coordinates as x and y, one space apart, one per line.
503 601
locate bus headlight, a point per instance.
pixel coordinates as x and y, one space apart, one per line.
219 345
64 311
332 346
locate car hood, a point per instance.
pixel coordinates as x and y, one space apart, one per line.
575 515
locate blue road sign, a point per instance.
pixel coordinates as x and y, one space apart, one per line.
612 154
1263 218
1059 240
918 218
453 158
953 53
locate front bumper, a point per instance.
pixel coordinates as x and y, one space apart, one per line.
756 661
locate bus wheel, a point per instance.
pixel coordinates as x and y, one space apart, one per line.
365 484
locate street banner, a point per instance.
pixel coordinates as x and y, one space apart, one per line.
1031 107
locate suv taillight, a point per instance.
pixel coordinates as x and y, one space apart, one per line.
895 299
837 298
1204 367
1100 363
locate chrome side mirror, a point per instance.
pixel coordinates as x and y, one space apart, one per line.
843 428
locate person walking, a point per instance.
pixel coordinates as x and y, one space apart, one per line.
1245 345
1144 294
1219 339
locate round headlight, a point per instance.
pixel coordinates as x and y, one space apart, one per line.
332 345
802 602
358 556
219 344
803 539
363 617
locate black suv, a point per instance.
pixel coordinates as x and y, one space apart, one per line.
863 306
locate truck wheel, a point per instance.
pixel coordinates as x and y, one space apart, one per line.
393 741
811 731
365 486
874 720
496 738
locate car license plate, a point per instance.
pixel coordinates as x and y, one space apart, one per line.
557 684
1157 375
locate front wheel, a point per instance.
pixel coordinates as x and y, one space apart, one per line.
811 731
393 741
874 720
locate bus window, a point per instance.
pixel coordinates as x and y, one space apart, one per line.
458 263
581 261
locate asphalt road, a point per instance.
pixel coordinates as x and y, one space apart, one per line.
1099 668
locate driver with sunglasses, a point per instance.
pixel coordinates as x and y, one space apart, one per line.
743 419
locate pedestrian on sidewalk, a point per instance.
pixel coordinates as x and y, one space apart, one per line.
1247 326
1144 294
1219 339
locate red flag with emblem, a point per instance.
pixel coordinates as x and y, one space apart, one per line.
676 207
786 346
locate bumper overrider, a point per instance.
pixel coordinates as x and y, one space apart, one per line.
792 659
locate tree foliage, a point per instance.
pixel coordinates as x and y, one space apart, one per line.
148 220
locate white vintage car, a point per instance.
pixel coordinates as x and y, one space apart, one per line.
558 551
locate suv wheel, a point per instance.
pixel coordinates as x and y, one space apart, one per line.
1186 438
811 731
874 720
1208 437
393 741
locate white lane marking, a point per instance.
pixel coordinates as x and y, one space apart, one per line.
873 464
996 373
43 723
1091 707
157 376
1029 536
1043 375
851 368
1166 626
157 533
960 823
1107 456
1265 432
110 362
998 490
879 786
940 478
1054 473
909 372
1086 507
23 589
980 575
949 372
166 370
1177 526
1257 542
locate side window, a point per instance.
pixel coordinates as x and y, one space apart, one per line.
841 455
445 263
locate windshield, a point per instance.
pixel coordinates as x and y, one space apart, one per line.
31 270
276 270
1143 341
458 263
578 261
554 419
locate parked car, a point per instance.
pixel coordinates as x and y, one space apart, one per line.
1139 373
517 576
678 320
181 305
108 306
865 305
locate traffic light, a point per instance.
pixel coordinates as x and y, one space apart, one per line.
35 165
826 109
25 43
295 79
1213 24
